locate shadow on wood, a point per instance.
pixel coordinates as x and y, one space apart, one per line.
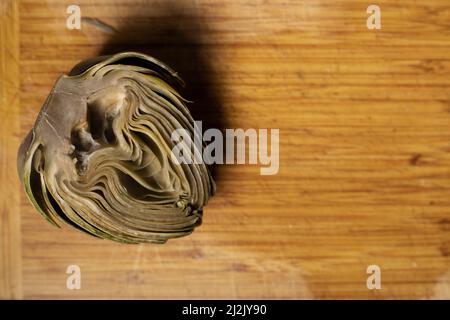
175 39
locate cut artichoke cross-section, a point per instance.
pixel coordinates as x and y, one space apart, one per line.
99 154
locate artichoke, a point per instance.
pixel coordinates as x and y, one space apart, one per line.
99 154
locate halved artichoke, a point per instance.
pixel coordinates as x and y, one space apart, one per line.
98 156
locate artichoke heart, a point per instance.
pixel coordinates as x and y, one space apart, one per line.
99 154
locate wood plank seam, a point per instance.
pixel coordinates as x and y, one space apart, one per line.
10 232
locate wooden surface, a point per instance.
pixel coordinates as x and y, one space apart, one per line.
10 136
364 119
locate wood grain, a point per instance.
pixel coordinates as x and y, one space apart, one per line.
10 236
364 176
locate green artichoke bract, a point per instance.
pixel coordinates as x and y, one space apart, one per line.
98 156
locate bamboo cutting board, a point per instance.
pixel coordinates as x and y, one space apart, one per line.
364 119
